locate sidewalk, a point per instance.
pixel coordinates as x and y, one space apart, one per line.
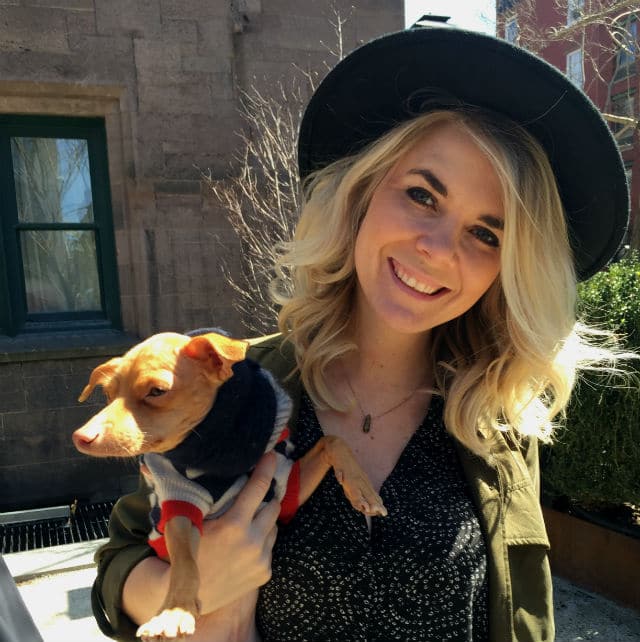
55 585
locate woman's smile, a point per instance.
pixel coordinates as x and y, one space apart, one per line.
416 283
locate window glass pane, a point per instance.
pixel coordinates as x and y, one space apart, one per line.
629 46
60 270
574 10
52 180
574 67
623 105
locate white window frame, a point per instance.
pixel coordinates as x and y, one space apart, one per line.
575 67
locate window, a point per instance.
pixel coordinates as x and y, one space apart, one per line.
574 11
626 60
623 105
575 71
57 259
511 31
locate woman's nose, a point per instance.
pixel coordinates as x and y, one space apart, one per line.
439 241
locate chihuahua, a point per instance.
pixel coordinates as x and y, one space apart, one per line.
201 414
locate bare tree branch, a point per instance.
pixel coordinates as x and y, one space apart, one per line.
262 197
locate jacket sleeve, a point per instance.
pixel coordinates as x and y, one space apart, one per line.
127 546
532 460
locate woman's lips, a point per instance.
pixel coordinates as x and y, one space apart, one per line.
414 283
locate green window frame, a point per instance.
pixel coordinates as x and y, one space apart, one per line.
58 268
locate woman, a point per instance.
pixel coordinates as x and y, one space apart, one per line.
427 313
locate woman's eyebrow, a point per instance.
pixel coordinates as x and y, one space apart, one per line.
432 179
492 221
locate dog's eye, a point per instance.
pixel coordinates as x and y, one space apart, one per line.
156 392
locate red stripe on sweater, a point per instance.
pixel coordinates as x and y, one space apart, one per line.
160 547
284 434
291 500
176 508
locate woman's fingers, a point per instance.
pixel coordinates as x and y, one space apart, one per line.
252 495
234 556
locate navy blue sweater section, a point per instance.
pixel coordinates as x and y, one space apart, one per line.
233 436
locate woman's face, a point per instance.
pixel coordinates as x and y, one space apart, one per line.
429 245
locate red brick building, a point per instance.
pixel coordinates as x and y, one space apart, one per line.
596 44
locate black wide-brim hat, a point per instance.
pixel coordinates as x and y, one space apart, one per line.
384 83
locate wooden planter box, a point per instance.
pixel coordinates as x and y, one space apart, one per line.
596 558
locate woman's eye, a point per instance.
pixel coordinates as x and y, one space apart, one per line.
156 392
421 196
486 236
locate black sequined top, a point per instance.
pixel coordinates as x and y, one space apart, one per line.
420 574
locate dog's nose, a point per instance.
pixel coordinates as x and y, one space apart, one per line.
86 435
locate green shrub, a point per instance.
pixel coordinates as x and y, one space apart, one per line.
596 458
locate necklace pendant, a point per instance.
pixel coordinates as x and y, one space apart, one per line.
366 424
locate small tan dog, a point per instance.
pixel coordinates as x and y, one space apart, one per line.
166 401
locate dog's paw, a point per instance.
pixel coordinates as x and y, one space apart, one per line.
354 481
362 497
168 625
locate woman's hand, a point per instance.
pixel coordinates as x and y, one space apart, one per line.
235 551
234 556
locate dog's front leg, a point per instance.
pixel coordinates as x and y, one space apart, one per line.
332 452
181 606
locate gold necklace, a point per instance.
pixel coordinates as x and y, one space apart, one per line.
367 418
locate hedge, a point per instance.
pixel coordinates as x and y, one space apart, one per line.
596 458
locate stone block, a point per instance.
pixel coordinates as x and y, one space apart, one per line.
157 61
128 312
150 161
183 31
170 316
43 436
26 30
370 24
103 49
193 61
35 485
391 8
69 5
84 366
12 394
42 368
294 31
53 391
182 98
81 22
141 18
215 38
188 166
193 9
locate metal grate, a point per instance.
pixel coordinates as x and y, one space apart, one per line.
89 522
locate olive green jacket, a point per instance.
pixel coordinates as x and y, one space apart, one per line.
506 492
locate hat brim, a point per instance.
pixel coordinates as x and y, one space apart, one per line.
380 85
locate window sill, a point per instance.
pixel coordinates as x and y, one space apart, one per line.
47 346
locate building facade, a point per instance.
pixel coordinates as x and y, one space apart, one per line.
109 112
598 50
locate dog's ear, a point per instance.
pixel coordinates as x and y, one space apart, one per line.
218 351
100 375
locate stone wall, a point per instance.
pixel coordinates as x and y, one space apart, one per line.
166 75
40 466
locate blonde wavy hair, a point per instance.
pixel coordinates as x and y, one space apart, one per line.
510 362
